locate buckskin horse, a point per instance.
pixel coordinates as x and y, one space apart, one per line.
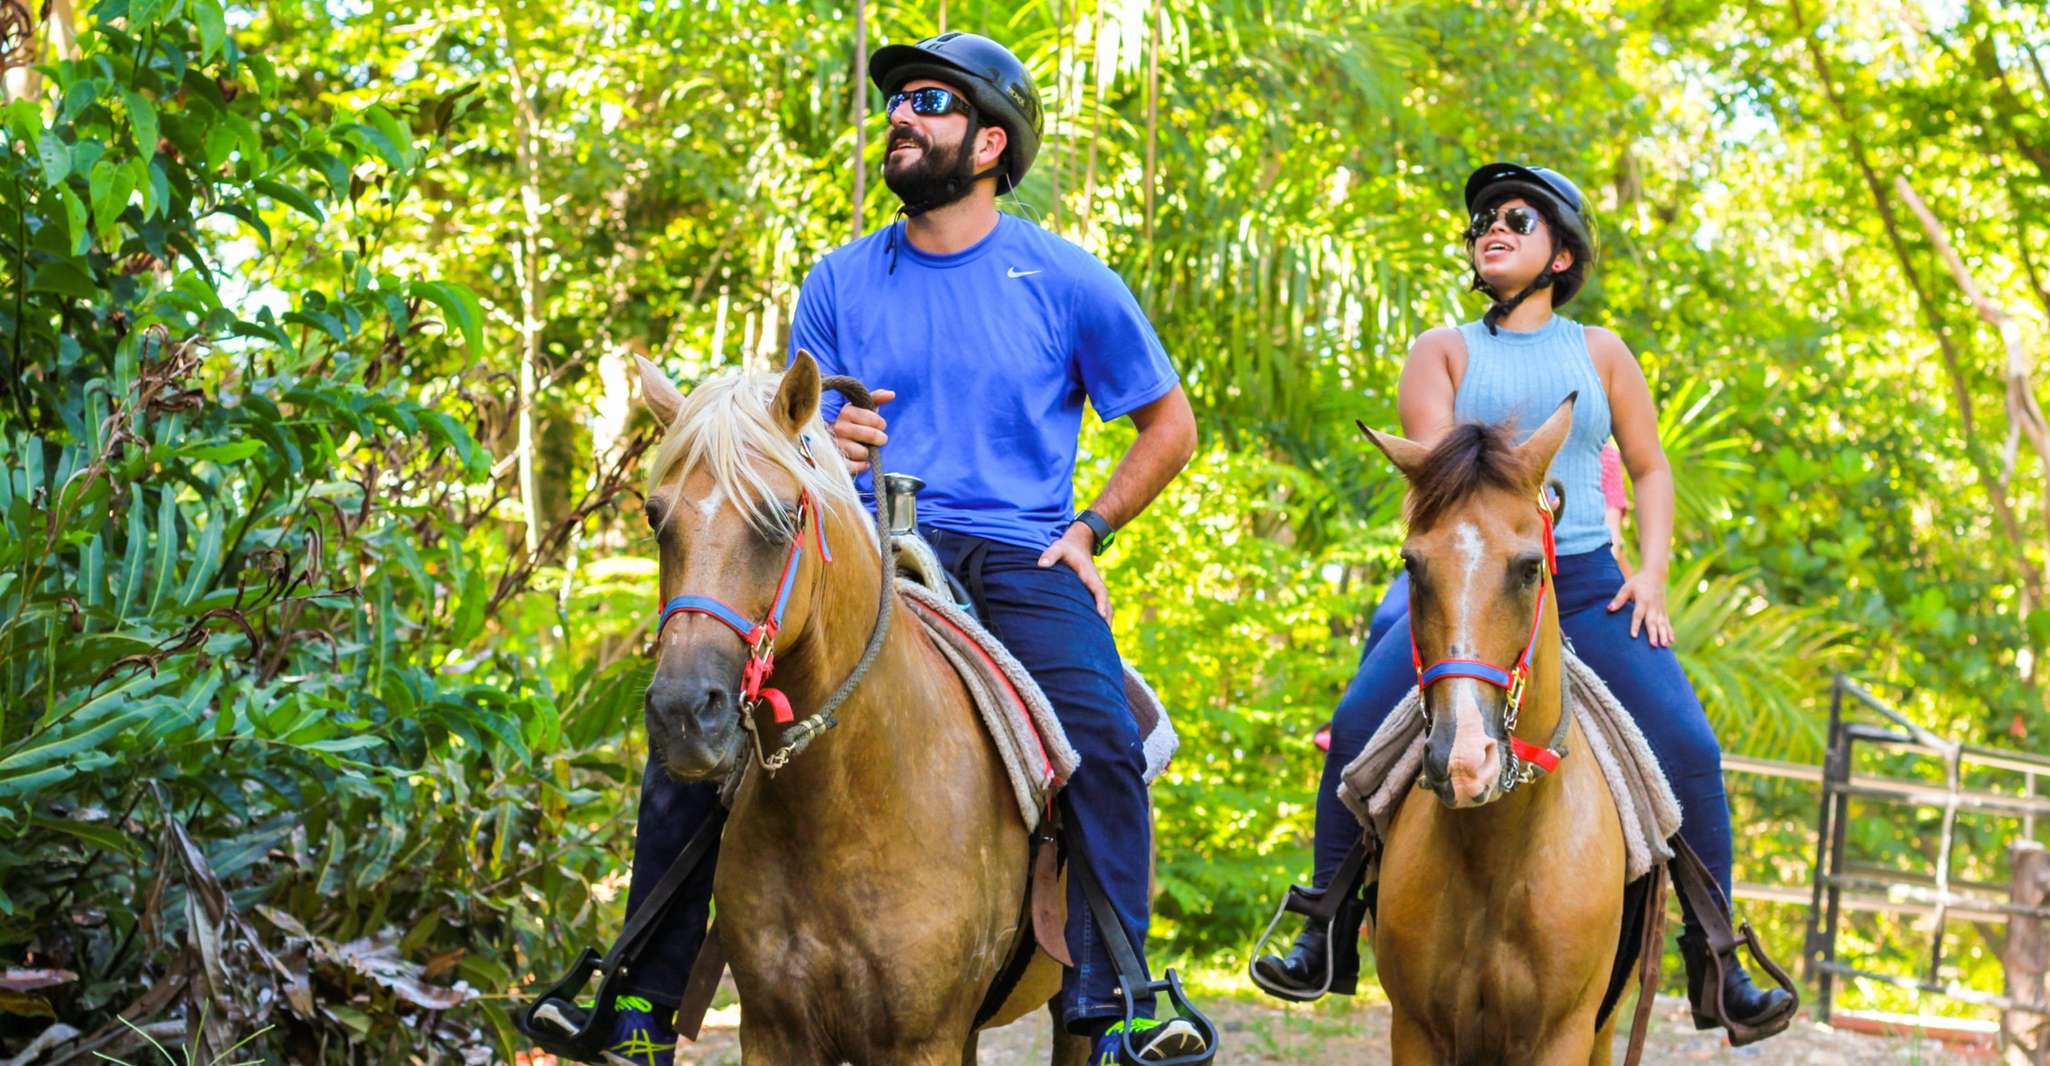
1501 883
869 886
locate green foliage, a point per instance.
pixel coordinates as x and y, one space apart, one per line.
271 279
241 584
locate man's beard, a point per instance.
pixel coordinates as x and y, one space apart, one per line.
936 178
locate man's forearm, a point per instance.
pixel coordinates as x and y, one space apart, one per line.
1159 453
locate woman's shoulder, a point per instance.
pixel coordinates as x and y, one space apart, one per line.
1604 338
1605 348
1439 341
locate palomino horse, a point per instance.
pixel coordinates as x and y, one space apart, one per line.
1501 894
869 888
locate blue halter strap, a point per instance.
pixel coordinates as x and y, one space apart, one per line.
759 637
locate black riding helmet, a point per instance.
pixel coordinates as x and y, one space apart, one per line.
996 83
1557 198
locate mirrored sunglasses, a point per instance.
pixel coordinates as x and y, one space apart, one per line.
931 100
1521 220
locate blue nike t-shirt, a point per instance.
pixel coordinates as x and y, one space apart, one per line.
991 351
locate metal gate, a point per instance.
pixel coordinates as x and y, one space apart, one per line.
1838 881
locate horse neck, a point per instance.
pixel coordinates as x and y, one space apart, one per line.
858 750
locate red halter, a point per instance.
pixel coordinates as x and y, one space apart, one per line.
759 637
1512 680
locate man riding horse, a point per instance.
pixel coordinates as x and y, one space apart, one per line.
985 334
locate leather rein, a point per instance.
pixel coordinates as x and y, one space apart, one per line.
1526 760
760 637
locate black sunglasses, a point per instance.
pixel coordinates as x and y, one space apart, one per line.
931 100
1522 220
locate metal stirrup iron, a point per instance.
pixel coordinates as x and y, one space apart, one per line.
554 1021
1134 982
1341 910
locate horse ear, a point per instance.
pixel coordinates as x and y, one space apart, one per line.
1538 451
797 399
1407 455
661 396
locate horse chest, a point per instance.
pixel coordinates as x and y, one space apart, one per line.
1491 943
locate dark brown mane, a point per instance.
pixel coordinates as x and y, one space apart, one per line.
1470 457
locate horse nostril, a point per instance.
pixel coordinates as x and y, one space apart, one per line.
711 699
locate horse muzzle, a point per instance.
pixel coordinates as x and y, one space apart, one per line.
1464 760
694 723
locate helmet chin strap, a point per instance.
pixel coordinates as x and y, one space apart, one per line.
963 181
1502 309
956 188
953 191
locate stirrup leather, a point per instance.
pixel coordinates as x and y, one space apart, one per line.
1712 911
1134 982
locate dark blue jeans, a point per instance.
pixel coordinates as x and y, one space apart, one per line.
1046 618
1393 608
1646 680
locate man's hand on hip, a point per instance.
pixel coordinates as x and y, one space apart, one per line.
1074 548
855 428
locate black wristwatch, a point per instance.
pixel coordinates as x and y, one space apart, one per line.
1101 527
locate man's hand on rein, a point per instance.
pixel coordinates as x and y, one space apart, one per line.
855 428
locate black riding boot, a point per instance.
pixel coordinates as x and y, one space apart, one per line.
1754 1013
1302 970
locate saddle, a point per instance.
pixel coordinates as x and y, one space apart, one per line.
1039 759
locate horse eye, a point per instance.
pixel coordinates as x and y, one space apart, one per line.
1533 571
654 513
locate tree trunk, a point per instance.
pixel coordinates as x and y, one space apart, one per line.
2032 585
2024 415
2025 1038
1152 118
526 252
858 87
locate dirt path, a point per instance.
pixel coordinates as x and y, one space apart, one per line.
1355 1033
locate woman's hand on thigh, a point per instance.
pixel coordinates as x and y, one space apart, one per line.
1645 591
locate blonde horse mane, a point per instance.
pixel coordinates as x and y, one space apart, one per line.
725 427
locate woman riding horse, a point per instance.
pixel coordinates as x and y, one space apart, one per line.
1530 249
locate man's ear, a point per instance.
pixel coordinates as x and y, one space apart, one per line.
658 392
991 147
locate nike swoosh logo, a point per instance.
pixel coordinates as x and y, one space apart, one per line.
1016 273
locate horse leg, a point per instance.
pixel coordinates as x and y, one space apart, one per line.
1069 1049
1574 1043
1408 1043
764 1045
932 1054
1605 1040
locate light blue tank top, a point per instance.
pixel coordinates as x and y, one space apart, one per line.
1522 377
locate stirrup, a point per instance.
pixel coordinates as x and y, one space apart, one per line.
552 1022
1170 984
1712 912
1337 905
1742 1033
1134 982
